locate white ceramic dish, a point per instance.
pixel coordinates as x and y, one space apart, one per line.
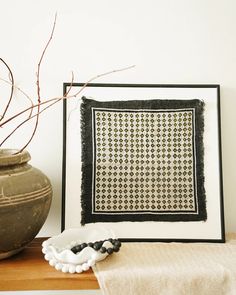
57 249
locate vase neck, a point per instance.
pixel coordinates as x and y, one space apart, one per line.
10 157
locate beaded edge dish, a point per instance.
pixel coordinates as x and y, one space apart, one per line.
76 250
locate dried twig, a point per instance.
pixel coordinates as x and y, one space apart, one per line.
23 92
55 100
29 118
48 103
38 84
71 84
63 97
12 89
38 113
33 106
96 77
101 75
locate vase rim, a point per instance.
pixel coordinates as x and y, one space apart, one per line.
9 157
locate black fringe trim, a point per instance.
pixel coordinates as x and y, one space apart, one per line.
86 157
199 140
87 160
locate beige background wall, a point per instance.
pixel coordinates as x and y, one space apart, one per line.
178 41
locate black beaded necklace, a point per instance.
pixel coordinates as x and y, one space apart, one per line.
98 246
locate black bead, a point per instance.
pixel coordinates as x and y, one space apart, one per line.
97 246
116 248
103 250
100 243
84 245
117 243
110 250
76 249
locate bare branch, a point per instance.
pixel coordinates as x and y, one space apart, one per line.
41 58
96 77
63 97
38 84
101 75
55 100
11 78
32 107
71 84
29 118
23 92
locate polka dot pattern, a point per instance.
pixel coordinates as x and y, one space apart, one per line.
144 161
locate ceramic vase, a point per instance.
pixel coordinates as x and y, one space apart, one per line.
25 199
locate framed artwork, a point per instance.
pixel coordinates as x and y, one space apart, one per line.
144 160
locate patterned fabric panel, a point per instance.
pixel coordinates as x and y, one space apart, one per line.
142 161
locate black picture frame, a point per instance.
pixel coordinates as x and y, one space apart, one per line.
215 230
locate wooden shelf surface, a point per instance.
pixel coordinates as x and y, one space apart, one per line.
28 270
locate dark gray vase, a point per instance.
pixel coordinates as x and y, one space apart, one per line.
25 199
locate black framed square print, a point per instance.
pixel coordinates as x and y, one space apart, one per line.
144 161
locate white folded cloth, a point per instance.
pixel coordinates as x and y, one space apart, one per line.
170 269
